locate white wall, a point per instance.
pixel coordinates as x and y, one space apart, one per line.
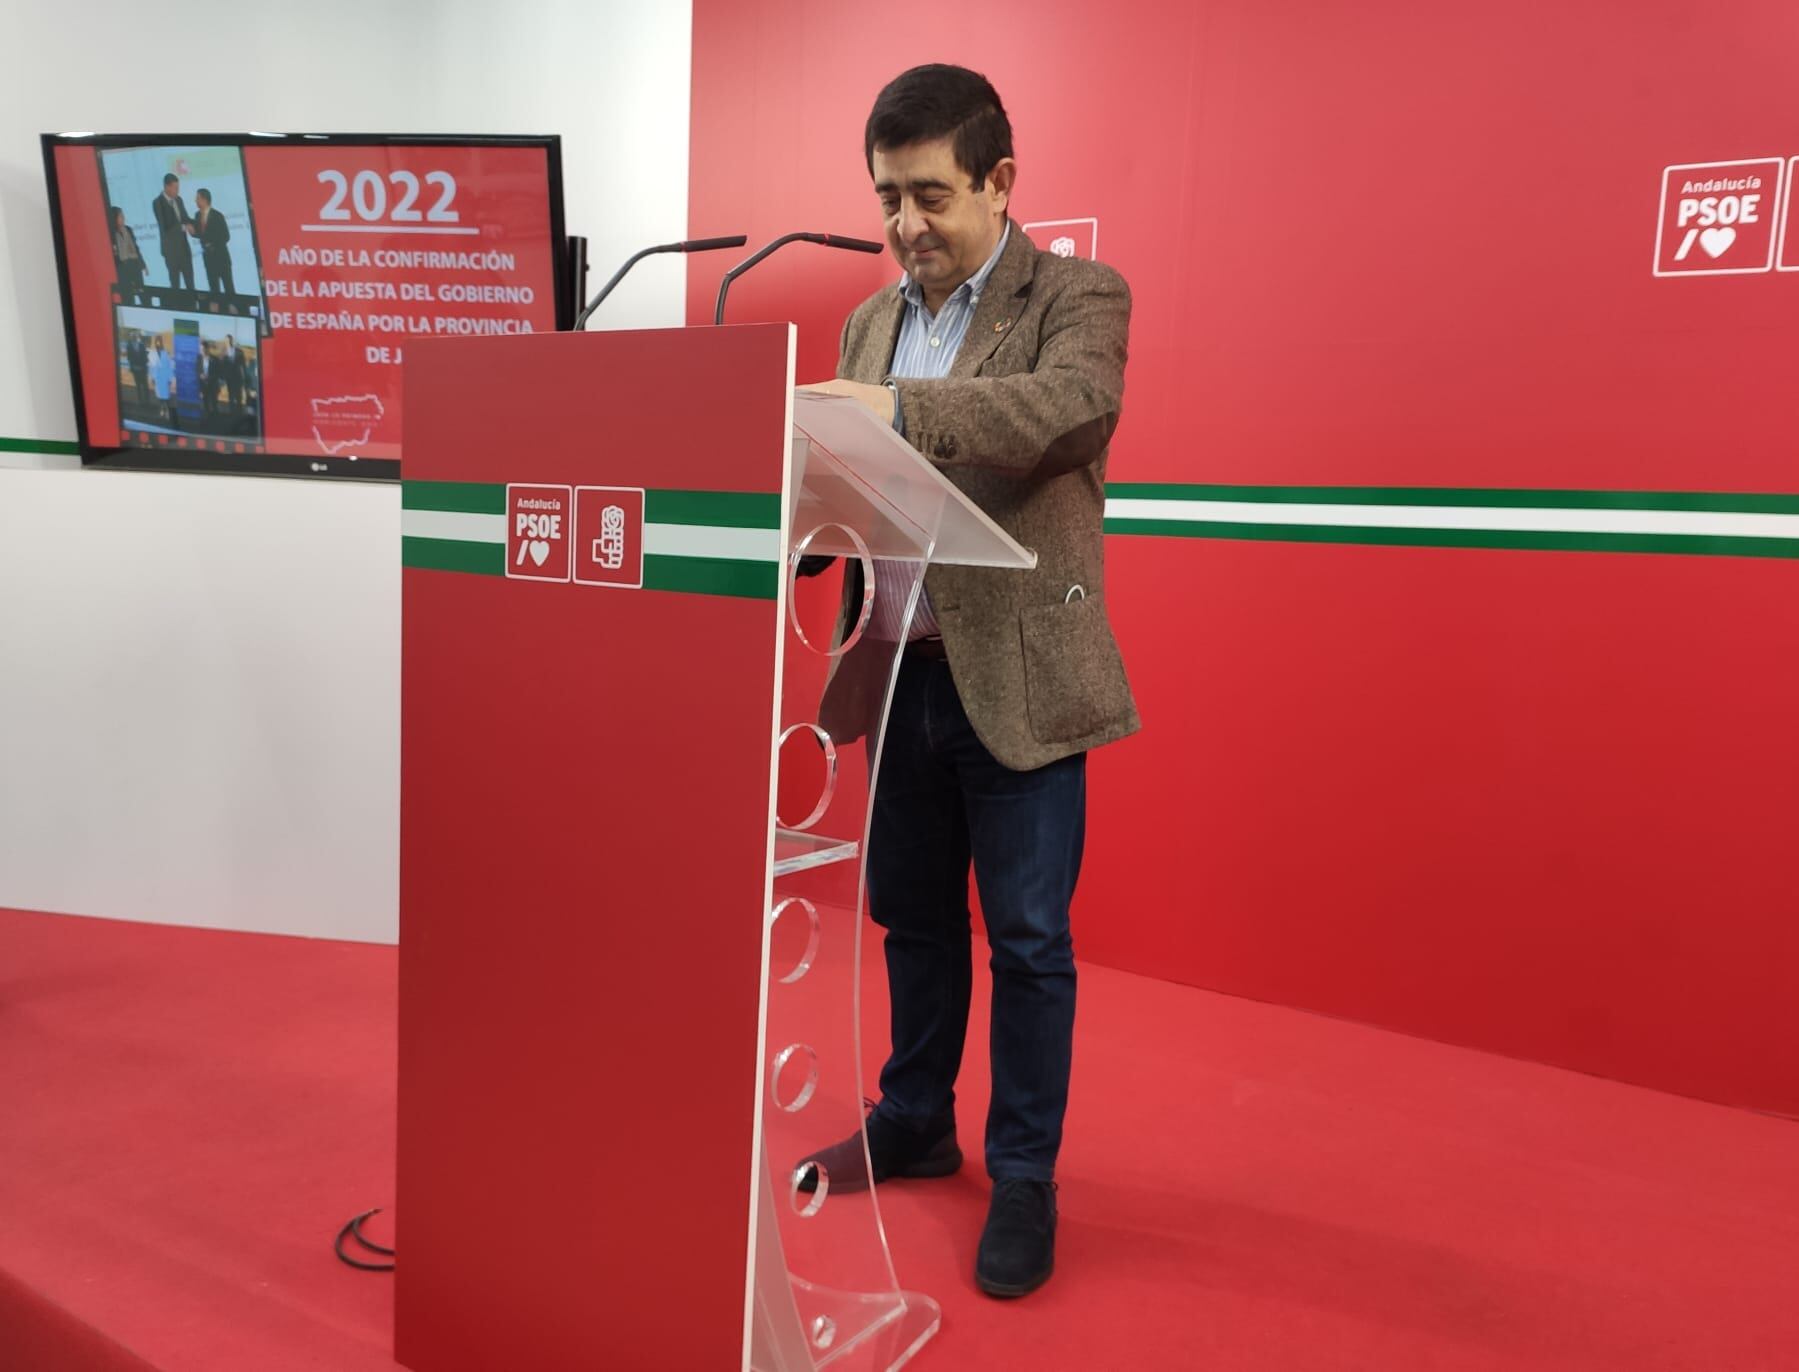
199 676
200 698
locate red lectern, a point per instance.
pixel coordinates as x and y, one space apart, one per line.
637 754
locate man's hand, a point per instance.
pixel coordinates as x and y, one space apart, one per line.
878 400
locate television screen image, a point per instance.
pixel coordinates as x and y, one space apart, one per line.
189 379
181 218
243 302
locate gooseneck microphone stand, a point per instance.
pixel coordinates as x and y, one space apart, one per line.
690 245
829 240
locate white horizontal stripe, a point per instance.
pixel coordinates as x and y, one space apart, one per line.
764 545
668 540
705 540
382 228
1711 523
454 525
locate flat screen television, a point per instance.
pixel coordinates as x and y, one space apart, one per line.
242 302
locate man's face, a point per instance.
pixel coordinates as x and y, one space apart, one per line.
171 189
940 230
203 202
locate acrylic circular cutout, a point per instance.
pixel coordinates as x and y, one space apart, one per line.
793 938
795 764
864 613
794 1078
824 1331
810 1184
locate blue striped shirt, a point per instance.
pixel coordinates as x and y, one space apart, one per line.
926 348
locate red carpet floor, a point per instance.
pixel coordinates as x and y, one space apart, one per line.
186 1117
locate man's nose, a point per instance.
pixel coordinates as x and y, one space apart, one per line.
912 225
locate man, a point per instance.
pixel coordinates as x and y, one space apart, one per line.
174 224
231 373
212 378
214 233
1005 366
139 358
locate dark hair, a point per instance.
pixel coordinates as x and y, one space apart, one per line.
116 215
938 101
168 177
203 192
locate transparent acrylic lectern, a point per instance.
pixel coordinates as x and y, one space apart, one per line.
825 1290
636 755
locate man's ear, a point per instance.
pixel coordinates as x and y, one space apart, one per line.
999 182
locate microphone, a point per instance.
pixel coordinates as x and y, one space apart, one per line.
829 240
690 245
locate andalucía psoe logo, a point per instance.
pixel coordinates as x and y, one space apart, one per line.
609 536
538 524
1718 218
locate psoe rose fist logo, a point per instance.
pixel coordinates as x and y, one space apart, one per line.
609 536
1718 218
611 543
539 525
1066 237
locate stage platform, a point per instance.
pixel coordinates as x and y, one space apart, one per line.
187 1116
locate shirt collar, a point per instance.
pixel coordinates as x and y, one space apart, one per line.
914 293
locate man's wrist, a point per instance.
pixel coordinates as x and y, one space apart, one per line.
899 416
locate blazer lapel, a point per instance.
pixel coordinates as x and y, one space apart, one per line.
875 356
999 305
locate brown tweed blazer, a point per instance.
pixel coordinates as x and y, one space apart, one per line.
1021 425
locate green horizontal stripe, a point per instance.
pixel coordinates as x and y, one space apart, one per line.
722 509
1463 538
458 497
452 555
711 576
39 445
761 510
1469 496
688 575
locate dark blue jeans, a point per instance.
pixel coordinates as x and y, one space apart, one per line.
942 801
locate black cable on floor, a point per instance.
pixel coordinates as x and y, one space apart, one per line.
353 1229
364 1239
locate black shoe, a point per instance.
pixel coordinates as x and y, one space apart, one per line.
892 1152
1018 1246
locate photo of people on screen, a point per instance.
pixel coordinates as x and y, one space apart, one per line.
162 377
176 226
213 233
192 203
187 376
125 254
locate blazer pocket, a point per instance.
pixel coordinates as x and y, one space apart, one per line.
1072 670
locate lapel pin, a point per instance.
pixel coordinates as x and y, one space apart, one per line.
1001 326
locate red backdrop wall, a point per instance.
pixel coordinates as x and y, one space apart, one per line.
1540 802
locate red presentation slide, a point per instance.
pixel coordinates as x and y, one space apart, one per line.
246 304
